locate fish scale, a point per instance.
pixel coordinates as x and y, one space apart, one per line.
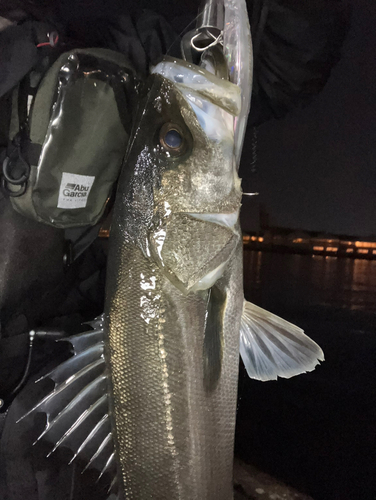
135 354
157 376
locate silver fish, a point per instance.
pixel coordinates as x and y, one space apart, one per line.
149 397
175 291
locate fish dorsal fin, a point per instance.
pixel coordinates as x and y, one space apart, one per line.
271 347
77 409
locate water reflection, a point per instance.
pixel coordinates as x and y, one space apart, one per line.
253 260
314 430
310 280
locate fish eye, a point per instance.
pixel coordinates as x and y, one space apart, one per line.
171 138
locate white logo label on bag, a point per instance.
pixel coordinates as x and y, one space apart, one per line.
74 190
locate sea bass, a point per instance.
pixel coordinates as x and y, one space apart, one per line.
174 291
175 294
149 397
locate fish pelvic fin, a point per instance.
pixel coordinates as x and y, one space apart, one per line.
77 408
272 347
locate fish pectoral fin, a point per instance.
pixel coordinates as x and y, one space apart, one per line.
77 409
272 347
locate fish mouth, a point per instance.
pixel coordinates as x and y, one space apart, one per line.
228 220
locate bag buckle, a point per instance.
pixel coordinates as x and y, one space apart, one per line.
15 170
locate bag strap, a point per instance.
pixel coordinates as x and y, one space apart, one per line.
21 152
42 39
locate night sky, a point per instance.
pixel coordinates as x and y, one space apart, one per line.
316 167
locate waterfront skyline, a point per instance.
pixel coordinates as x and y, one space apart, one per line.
274 239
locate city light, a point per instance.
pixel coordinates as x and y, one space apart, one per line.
278 239
365 244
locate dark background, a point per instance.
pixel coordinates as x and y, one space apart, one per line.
316 167
317 431
316 171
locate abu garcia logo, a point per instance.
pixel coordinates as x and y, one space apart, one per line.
75 190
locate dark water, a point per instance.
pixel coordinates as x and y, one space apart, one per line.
317 431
